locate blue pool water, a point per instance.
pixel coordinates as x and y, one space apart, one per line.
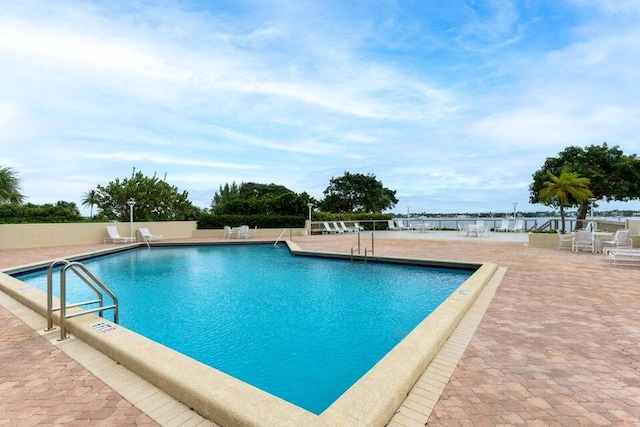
301 328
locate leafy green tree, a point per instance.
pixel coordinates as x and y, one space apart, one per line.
562 190
10 187
91 199
613 176
251 198
357 193
225 194
29 213
155 199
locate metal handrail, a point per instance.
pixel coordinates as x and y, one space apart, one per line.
144 239
90 280
280 237
367 251
352 246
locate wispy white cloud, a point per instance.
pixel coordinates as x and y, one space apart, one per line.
133 157
615 7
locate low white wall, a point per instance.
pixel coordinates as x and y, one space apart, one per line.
22 236
25 236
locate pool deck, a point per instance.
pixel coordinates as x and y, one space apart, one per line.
555 342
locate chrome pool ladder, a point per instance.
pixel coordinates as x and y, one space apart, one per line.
367 251
91 281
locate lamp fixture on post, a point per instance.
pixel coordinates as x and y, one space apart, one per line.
310 206
514 210
131 202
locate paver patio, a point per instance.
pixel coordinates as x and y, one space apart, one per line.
558 345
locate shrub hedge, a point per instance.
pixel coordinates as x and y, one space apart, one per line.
211 221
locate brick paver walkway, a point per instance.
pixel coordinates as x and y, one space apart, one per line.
43 386
558 345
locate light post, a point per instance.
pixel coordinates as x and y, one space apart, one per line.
310 206
514 210
408 224
131 202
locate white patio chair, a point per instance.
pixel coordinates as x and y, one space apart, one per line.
563 238
243 232
229 232
621 240
582 239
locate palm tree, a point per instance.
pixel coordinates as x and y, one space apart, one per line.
9 187
564 190
90 198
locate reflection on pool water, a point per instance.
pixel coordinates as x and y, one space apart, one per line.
301 328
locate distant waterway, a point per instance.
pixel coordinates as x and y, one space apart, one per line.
531 223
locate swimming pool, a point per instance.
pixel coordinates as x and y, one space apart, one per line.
372 400
303 329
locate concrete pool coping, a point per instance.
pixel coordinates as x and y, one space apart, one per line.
371 401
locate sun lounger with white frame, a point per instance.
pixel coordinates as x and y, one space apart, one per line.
327 228
115 237
147 236
504 225
347 229
623 256
518 226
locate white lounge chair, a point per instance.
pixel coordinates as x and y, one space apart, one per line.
623 256
357 227
392 225
563 238
328 229
400 224
337 228
504 225
115 237
582 239
347 229
518 226
621 240
147 236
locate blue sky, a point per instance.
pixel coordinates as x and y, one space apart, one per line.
454 104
